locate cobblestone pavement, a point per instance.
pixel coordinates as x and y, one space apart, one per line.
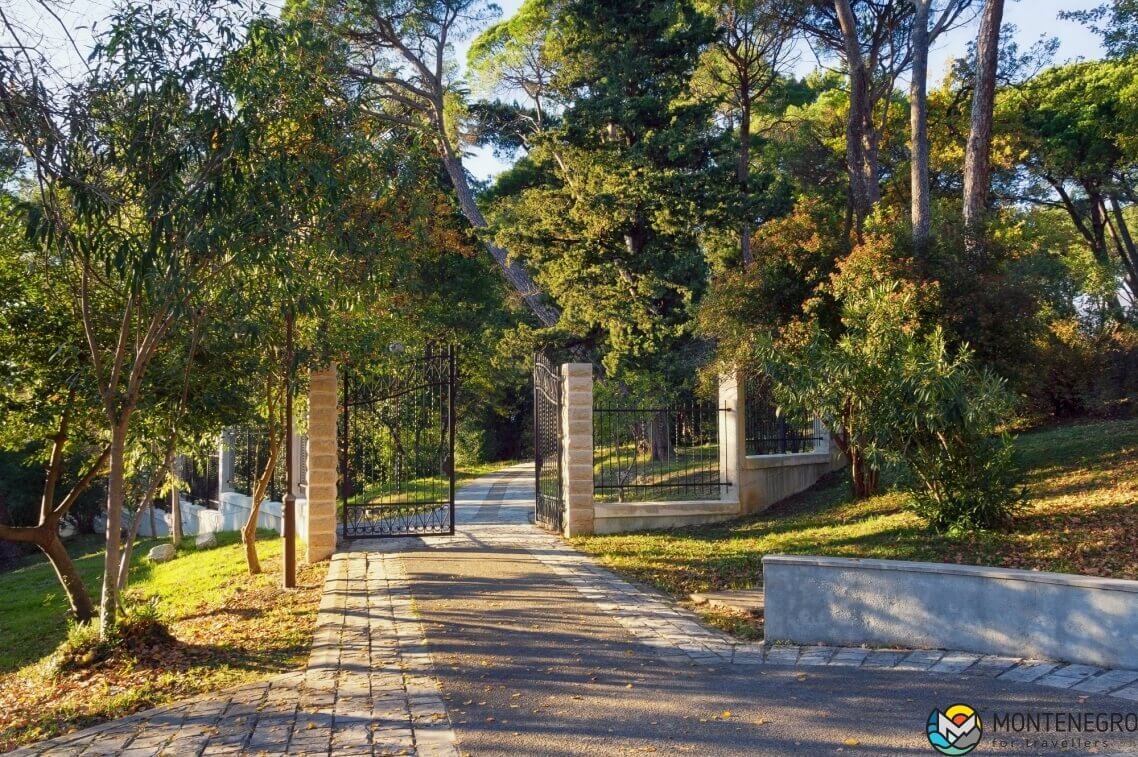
526 646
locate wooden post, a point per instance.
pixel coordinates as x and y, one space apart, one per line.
289 504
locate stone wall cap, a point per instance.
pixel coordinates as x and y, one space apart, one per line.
577 369
756 462
975 571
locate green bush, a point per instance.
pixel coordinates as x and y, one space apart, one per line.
974 489
893 392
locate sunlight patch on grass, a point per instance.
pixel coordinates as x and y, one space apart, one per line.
228 627
1082 517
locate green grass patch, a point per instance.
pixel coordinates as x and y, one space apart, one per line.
227 627
1082 518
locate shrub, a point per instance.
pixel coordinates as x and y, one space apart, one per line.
972 490
944 434
892 392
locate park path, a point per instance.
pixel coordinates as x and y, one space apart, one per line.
503 640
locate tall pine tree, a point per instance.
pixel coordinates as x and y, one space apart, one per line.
613 195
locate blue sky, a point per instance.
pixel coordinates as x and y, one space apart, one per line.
1033 18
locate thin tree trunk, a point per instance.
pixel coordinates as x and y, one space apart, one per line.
919 128
260 489
146 502
177 533
515 273
108 604
977 156
743 173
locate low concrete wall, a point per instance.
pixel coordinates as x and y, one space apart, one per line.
231 514
195 520
830 600
621 517
767 479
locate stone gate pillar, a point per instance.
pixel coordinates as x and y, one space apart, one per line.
577 441
732 437
323 395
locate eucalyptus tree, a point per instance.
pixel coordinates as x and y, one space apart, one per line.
51 415
140 204
401 53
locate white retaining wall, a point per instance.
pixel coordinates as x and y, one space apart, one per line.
231 514
893 603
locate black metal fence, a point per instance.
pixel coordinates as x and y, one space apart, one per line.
550 504
397 433
250 448
646 453
769 432
200 473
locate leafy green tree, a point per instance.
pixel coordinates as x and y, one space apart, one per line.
609 220
1073 126
401 53
144 203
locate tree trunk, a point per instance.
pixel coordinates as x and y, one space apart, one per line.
177 533
860 161
660 438
919 130
977 166
108 605
77 595
260 489
249 539
743 174
515 273
1126 245
46 537
862 475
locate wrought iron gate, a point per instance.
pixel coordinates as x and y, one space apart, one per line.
397 429
549 505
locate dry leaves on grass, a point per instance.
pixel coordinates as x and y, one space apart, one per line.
253 630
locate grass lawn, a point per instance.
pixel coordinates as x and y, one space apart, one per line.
229 628
620 470
1082 518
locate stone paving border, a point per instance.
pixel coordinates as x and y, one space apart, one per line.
678 635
